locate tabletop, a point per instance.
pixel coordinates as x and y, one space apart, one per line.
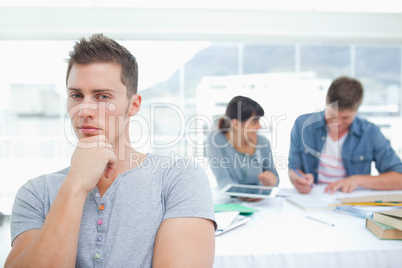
280 235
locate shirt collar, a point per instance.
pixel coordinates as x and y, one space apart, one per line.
321 123
355 127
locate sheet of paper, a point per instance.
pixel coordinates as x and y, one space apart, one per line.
225 219
309 202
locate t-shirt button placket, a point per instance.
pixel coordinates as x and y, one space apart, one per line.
100 219
97 256
99 238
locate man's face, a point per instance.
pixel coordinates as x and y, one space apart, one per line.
97 101
339 120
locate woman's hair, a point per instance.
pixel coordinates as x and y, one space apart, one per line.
240 108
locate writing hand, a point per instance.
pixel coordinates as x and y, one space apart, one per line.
92 159
267 178
303 184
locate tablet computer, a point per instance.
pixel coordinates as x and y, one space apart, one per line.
253 191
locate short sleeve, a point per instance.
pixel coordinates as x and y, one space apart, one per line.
187 192
214 153
28 210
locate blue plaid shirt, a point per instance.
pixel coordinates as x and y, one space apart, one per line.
365 143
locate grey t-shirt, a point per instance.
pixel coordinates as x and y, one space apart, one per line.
123 233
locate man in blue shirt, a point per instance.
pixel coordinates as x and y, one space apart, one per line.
337 148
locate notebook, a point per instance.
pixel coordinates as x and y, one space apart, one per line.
308 202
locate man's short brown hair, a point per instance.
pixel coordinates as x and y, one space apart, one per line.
347 92
101 49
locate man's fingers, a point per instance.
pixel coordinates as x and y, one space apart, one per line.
302 181
335 188
110 166
303 188
94 142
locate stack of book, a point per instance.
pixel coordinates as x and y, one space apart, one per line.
385 224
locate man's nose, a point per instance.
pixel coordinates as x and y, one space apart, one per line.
88 109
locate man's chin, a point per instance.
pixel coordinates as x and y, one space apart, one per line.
87 135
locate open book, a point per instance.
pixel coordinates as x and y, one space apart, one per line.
230 216
228 221
308 202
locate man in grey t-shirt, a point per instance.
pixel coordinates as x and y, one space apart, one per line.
114 206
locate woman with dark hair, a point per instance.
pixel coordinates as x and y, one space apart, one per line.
236 153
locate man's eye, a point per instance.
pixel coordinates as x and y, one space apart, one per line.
104 97
75 96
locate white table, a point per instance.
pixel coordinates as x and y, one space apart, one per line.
281 236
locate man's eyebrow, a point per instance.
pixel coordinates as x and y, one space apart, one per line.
74 89
92 91
101 90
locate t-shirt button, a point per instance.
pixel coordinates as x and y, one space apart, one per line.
97 256
97 194
101 207
100 221
99 238
361 157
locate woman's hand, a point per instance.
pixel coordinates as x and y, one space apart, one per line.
267 178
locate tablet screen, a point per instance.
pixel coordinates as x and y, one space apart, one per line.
253 191
235 189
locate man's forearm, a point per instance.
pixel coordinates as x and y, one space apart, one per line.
55 245
386 181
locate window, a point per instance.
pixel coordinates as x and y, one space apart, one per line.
185 87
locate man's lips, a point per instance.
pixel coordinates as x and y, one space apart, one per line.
88 129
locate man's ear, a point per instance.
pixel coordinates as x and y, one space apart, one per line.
135 105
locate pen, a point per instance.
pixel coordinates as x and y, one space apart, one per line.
314 219
300 175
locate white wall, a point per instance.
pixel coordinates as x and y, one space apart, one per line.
64 23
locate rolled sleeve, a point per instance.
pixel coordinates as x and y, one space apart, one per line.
295 159
385 157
